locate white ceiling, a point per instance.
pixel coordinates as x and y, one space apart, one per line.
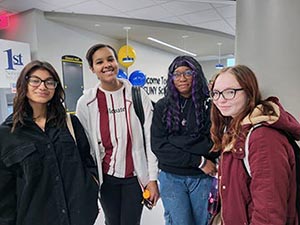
204 22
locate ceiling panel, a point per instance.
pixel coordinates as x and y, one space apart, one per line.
180 8
152 12
128 5
219 25
201 17
93 7
227 12
166 20
21 5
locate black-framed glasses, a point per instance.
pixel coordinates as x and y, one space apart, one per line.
35 81
227 94
177 75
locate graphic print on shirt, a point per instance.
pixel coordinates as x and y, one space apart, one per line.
115 137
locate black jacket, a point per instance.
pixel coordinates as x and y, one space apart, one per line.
45 179
180 153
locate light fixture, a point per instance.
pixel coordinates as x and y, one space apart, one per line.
219 65
127 59
171 46
4 21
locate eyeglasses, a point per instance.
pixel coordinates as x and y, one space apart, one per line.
35 81
187 73
227 94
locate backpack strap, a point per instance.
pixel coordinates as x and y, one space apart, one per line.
70 126
137 103
139 110
246 158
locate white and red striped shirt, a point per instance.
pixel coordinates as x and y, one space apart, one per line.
115 134
87 110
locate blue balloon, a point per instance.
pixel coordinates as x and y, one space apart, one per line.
122 74
137 78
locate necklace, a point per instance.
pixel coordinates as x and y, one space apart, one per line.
182 106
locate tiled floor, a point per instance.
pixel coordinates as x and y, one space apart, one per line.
149 217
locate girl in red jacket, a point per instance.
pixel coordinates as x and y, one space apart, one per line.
268 196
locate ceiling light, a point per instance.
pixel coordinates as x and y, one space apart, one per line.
127 59
171 46
219 66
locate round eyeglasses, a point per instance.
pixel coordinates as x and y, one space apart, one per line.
227 94
187 73
35 81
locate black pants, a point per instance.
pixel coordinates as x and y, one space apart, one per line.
121 200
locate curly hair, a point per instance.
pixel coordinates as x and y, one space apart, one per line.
247 80
200 94
55 111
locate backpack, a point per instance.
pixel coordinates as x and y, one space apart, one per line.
296 149
138 108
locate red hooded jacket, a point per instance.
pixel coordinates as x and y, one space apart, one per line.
268 197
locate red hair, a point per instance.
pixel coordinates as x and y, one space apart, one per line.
247 80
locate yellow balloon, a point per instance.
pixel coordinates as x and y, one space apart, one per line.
126 56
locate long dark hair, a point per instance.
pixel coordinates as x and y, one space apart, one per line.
55 111
200 94
247 80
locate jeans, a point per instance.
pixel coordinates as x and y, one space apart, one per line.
185 198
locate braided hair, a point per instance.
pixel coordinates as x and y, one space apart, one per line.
200 94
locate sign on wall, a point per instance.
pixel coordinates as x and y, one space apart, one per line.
13 57
154 87
73 80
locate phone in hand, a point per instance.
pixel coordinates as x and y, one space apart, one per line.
147 203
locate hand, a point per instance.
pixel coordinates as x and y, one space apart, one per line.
154 192
209 168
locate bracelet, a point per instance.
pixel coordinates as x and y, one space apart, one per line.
203 162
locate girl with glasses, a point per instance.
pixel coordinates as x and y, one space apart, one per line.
268 196
181 141
46 176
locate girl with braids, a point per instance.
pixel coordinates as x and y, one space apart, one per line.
46 178
181 141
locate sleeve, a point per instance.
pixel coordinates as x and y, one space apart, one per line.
169 152
271 173
80 111
8 201
83 146
83 115
151 158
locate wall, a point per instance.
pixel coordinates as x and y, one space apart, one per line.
49 41
209 68
22 28
267 40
